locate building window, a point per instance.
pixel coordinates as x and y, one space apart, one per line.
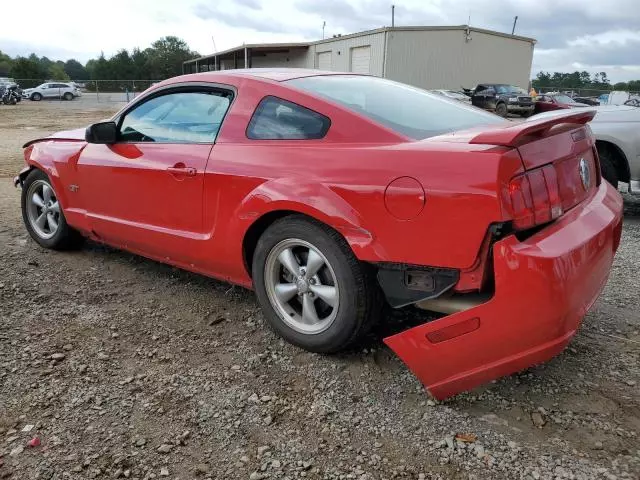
278 119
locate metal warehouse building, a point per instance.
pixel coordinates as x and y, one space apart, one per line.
427 57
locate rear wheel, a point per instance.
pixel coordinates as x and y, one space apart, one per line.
36 97
608 164
43 216
313 291
501 109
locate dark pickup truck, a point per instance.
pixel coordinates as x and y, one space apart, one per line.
502 99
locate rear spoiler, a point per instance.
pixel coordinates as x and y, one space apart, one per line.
514 135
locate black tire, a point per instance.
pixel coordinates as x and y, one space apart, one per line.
501 109
36 97
526 114
68 96
65 237
359 304
608 164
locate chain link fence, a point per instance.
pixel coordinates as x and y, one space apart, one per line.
580 92
115 91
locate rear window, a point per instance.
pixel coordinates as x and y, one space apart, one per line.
278 119
410 111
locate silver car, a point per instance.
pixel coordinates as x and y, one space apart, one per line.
617 132
59 90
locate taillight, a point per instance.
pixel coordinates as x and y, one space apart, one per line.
535 198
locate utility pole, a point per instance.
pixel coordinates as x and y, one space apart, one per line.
393 16
514 25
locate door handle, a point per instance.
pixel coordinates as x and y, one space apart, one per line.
184 171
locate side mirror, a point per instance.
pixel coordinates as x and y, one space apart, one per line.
101 132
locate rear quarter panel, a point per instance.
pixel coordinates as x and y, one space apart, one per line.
341 180
344 187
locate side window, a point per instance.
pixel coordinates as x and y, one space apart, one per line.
278 119
181 117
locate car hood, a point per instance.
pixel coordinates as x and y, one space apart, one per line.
77 135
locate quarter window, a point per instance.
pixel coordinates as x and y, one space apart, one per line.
278 119
180 117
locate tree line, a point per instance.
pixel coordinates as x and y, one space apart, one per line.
163 59
581 80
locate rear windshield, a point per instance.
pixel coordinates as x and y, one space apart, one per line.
510 89
407 110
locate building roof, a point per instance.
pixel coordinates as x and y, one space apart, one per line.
254 46
272 46
276 74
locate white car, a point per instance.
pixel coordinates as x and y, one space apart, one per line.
452 94
617 132
59 90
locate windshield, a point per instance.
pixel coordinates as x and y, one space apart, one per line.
563 99
509 89
409 111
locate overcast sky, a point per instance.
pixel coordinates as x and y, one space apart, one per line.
572 34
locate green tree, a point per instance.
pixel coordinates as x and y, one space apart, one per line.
634 85
75 70
141 63
585 78
167 55
101 69
6 62
56 72
621 86
27 68
122 66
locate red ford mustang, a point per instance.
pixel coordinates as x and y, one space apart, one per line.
331 193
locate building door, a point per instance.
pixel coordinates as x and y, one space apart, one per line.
361 59
324 61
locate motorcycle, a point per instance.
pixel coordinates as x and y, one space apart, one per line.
10 94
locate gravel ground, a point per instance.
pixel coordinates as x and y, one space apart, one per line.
113 366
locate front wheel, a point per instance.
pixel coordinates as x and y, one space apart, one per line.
313 291
43 216
68 96
501 109
36 97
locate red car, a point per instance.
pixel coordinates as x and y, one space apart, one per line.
555 101
332 193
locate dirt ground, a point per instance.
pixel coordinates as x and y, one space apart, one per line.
125 368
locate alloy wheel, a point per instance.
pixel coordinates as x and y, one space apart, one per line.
43 209
302 286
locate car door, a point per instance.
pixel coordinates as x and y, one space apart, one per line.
484 97
544 103
44 90
51 91
144 192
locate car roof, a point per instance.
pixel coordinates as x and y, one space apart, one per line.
276 74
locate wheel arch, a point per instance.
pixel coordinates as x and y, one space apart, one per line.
276 199
621 162
358 239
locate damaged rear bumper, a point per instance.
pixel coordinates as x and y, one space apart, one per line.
543 288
